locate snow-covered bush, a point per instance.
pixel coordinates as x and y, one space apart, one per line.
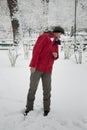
13 55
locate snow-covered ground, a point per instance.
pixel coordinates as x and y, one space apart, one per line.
68 102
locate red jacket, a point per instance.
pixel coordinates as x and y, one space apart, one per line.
42 58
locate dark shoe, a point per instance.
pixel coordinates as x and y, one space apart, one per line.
46 113
26 112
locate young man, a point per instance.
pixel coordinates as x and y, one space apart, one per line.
45 52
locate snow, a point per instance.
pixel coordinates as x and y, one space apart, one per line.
68 97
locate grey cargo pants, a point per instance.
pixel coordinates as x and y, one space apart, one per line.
46 83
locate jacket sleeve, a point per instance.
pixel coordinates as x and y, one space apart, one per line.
37 50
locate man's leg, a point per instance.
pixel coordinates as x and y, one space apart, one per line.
34 80
46 81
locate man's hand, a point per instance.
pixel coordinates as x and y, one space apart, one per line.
55 55
32 69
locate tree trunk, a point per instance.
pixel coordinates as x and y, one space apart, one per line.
45 14
13 8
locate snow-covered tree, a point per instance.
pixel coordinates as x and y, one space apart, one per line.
13 8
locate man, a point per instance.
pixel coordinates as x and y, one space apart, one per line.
44 53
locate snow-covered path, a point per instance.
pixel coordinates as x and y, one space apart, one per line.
69 95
